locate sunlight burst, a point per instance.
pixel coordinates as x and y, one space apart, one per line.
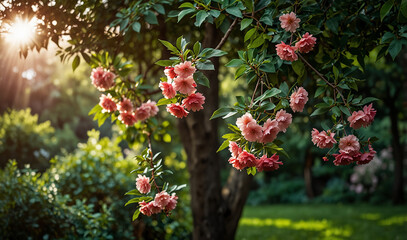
21 32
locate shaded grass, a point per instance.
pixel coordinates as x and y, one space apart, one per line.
331 222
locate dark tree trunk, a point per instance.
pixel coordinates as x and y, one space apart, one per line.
309 162
398 193
215 211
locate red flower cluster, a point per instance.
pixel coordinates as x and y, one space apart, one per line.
180 78
241 159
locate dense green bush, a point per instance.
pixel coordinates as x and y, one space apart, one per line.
24 139
33 209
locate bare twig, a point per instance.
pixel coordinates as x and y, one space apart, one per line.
151 161
223 40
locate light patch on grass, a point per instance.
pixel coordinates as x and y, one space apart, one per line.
394 220
370 216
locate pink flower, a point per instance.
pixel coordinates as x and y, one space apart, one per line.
236 163
358 120
342 159
169 72
127 118
167 90
323 139
306 44
370 113
161 199
349 145
289 22
172 203
184 85
102 79
177 110
270 131
142 112
286 52
298 99
244 120
154 207
145 208
194 102
153 107
107 103
268 164
252 132
143 184
185 69
234 149
125 105
366 157
247 159
283 119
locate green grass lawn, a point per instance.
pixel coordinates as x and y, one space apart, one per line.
331 222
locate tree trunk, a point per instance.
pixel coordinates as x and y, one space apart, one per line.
398 193
216 211
309 162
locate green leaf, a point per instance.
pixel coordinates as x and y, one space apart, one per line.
224 145
169 46
139 199
185 12
386 37
249 34
234 63
403 8
95 109
368 100
299 68
221 112
345 110
268 94
257 42
319 111
186 5
240 71
197 48
284 89
268 67
235 11
164 101
151 18
335 110
75 62
395 48
200 78
319 91
136 214
133 192
245 23
164 63
386 9
200 17
205 65
136 26
159 8
229 115
214 13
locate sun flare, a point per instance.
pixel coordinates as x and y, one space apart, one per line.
21 32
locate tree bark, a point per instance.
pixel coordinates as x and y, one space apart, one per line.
398 193
216 211
309 162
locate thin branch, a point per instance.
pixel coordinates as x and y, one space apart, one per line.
151 161
254 93
323 78
223 40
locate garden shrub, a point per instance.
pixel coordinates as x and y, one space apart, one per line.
24 139
32 209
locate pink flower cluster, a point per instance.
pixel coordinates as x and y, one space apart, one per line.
298 99
323 139
102 79
290 23
241 159
363 118
128 115
349 152
162 202
253 132
180 78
